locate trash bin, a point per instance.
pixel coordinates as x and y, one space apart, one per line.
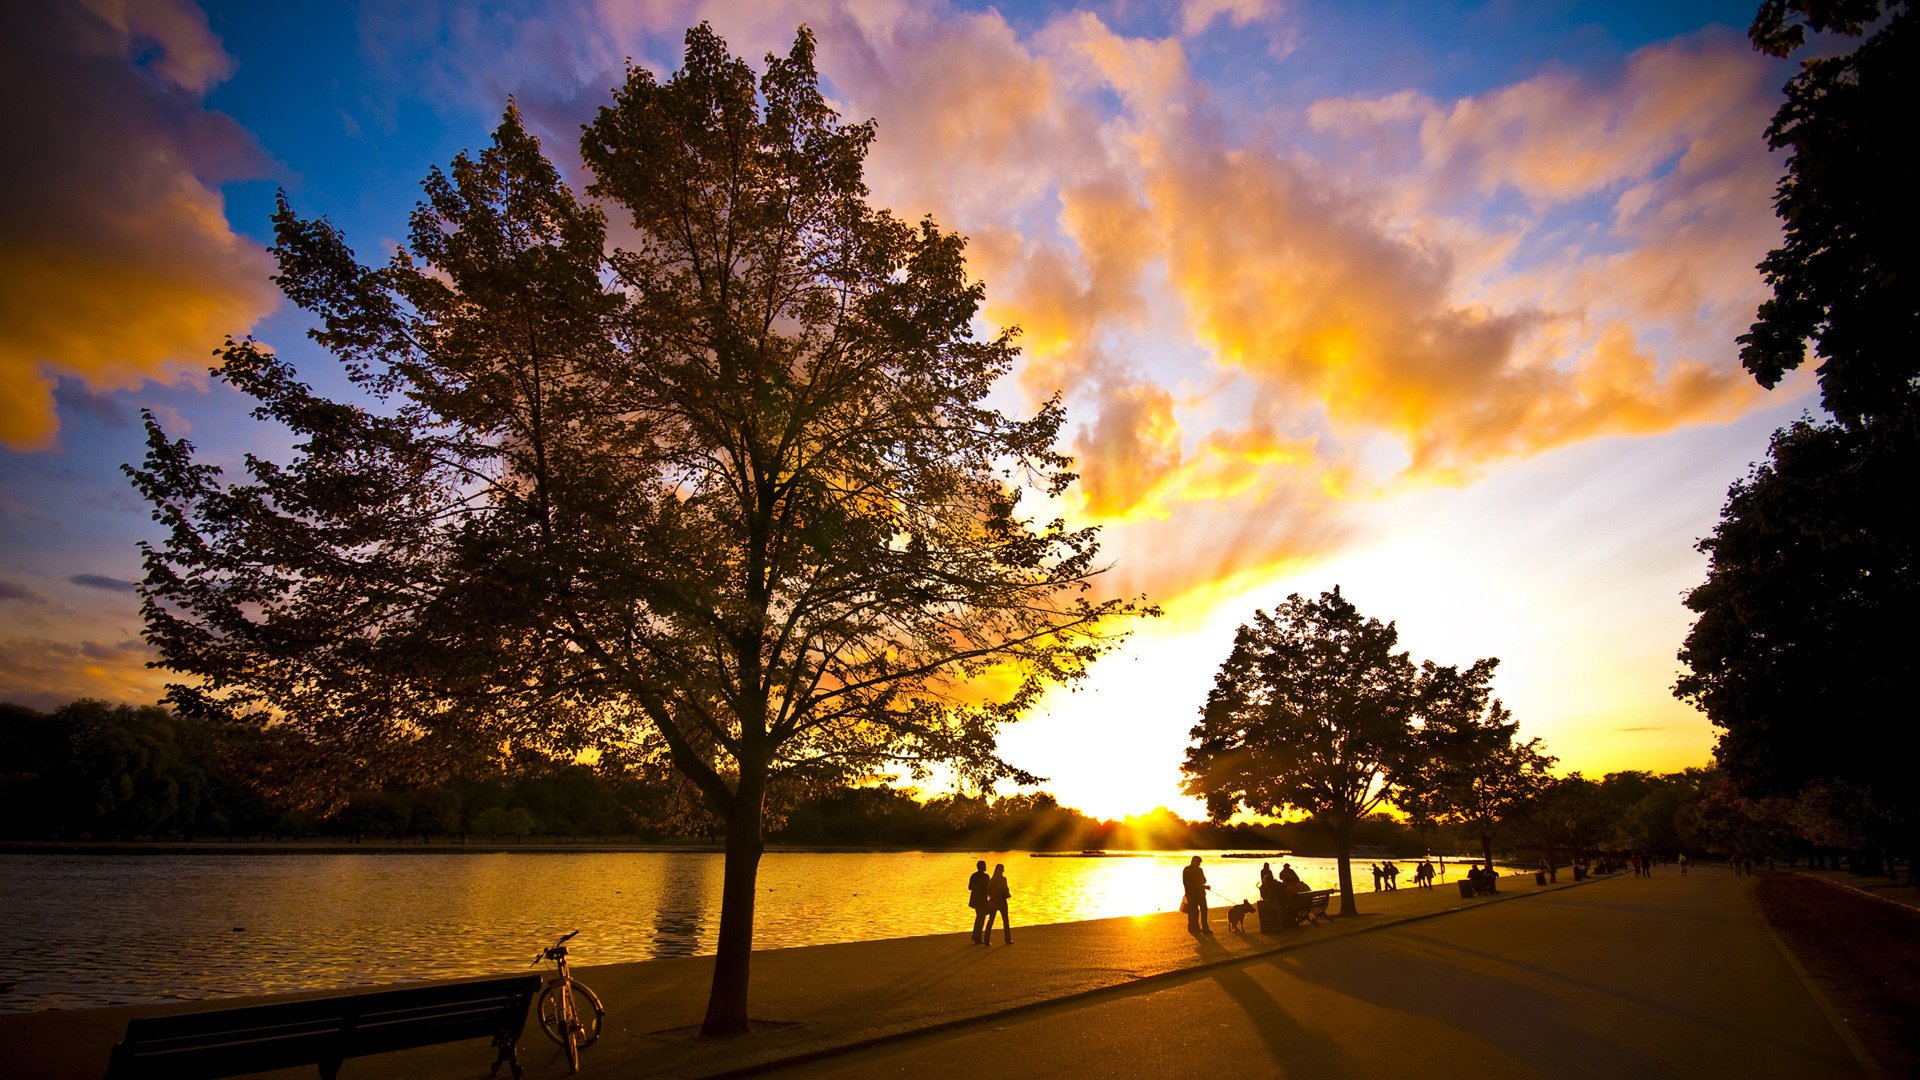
1539 877
1466 890
1273 917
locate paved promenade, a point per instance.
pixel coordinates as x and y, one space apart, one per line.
1669 976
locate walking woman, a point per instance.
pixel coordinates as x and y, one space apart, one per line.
997 893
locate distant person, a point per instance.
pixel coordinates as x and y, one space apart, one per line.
997 893
1379 875
1425 873
977 888
1683 864
1270 888
1393 875
1288 875
1193 882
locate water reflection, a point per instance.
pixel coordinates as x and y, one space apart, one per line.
84 930
679 912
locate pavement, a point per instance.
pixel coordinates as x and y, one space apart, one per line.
1660 976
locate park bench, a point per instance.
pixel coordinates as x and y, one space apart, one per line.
324 1031
1312 906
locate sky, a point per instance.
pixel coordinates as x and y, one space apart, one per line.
1434 302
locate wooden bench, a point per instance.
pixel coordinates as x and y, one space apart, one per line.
325 1031
1311 907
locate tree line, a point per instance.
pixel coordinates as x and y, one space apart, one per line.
98 772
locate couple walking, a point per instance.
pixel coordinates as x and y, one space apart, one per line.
987 896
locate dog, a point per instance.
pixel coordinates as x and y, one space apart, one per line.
1237 917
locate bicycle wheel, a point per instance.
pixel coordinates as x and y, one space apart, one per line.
585 1007
588 1013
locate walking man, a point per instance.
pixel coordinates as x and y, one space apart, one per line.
1194 881
977 900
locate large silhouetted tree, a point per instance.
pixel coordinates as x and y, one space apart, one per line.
1802 653
1312 712
729 483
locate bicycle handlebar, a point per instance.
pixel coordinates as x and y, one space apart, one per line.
547 953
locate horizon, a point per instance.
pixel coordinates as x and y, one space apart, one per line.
1435 304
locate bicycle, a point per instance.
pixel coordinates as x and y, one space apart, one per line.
569 1013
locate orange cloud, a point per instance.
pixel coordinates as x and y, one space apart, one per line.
42 673
116 261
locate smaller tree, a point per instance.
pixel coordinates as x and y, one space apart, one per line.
1311 713
1473 775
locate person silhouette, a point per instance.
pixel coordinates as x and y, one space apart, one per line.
977 887
1194 881
997 893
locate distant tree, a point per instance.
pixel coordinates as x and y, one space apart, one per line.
1311 713
498 821
1473 776
733 483
1723 821
130 773
34 751
433 811
1847 276
1644 808
1568 815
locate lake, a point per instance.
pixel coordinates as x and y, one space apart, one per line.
78 931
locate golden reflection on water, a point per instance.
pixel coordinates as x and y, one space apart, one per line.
99 930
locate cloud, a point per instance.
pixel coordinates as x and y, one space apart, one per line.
116 261
103 583
13 590
1196 16
45 674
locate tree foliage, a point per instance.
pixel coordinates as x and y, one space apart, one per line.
1847 276
725 484
1314 712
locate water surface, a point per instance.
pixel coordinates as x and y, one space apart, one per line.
89 930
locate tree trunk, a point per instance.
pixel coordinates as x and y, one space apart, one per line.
1486 849
727 1001
1343 854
